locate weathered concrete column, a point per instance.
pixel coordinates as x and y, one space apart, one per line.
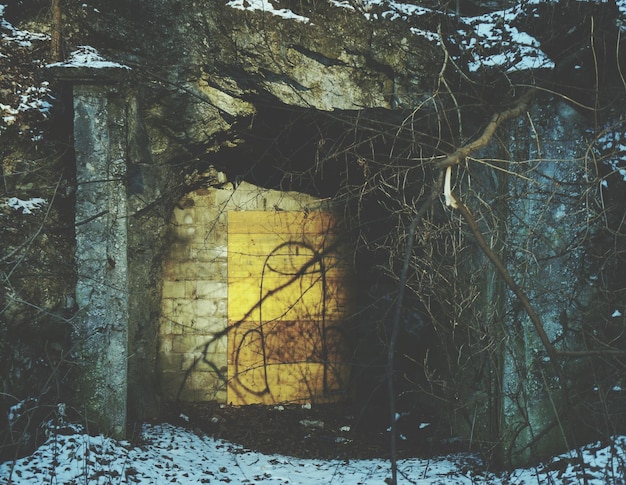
101 259
101 326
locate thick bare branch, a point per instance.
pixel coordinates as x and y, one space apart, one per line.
496 121
506 276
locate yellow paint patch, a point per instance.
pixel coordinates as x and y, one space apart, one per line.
287 298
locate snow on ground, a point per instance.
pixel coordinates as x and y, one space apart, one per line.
170 454
489 40
503 43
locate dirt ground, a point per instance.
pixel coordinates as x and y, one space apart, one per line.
324 431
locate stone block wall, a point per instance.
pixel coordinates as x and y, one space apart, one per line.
192 351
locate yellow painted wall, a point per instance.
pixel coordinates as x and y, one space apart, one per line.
220 243
287 299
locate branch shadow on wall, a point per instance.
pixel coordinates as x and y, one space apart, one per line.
286 346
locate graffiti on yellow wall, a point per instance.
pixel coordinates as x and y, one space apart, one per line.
288 295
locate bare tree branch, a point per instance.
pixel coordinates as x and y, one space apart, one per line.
496 121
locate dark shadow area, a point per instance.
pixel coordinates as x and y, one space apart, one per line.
325 431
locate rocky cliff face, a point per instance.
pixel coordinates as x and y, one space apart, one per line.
205 68
356 101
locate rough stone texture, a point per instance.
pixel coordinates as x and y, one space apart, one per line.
101 324
192 363
208 71
340 59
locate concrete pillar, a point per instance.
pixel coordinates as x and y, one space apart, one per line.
101 325
101 328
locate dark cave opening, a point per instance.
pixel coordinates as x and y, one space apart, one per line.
334 155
